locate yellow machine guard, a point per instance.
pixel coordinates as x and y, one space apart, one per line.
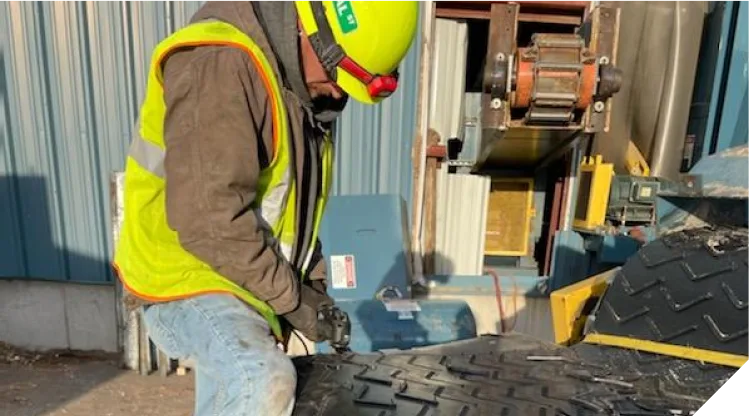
568 302
567 306
593 193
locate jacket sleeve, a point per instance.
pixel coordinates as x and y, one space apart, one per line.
217 132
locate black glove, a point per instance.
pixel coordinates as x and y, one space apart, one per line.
336 327
305 317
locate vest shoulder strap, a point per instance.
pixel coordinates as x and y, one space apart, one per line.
215 32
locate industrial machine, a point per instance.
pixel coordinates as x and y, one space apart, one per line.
554 99
596 156
541 84
539 96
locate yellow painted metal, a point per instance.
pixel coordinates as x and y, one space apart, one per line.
593 193
568 302
636 163
678 351
508 219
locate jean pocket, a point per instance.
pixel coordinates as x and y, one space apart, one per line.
160 332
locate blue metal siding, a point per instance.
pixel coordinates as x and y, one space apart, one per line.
373 143
733 129
72 75
718 118
707 80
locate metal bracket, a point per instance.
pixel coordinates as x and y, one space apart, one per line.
685 186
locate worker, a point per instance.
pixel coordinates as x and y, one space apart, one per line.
226 182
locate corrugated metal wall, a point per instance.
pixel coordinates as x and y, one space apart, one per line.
73 75
461 198
448 78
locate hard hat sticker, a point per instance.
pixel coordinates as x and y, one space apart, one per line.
345 14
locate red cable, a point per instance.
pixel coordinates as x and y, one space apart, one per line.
498 295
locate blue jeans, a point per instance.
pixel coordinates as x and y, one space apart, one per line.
240 371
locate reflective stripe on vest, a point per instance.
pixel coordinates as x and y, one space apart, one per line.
147 154
151 157
149 259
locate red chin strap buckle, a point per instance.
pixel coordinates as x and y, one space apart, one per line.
382 86
378 86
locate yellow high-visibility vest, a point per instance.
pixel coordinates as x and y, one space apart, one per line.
149 259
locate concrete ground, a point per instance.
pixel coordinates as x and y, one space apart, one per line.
57 385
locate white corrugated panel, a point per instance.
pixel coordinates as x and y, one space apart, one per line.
461 219
461 199
448 78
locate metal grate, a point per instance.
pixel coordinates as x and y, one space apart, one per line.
508 217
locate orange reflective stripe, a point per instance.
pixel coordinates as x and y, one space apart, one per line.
275 329
152 298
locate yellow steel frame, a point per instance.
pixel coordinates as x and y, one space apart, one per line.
566 309
598 198
528 215
567 304
636 163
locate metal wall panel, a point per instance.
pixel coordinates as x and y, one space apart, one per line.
72 76
707 85
448 78
374 143
733 127
461 223
461 198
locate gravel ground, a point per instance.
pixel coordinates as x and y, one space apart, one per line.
56 384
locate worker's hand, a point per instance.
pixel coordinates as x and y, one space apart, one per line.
305 317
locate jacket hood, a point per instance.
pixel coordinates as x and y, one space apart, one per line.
276 22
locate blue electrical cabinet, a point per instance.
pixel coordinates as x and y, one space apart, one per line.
365 241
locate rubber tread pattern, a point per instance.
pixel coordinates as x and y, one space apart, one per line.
688 288
580 380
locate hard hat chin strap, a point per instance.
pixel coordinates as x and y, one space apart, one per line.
332 56
328 51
